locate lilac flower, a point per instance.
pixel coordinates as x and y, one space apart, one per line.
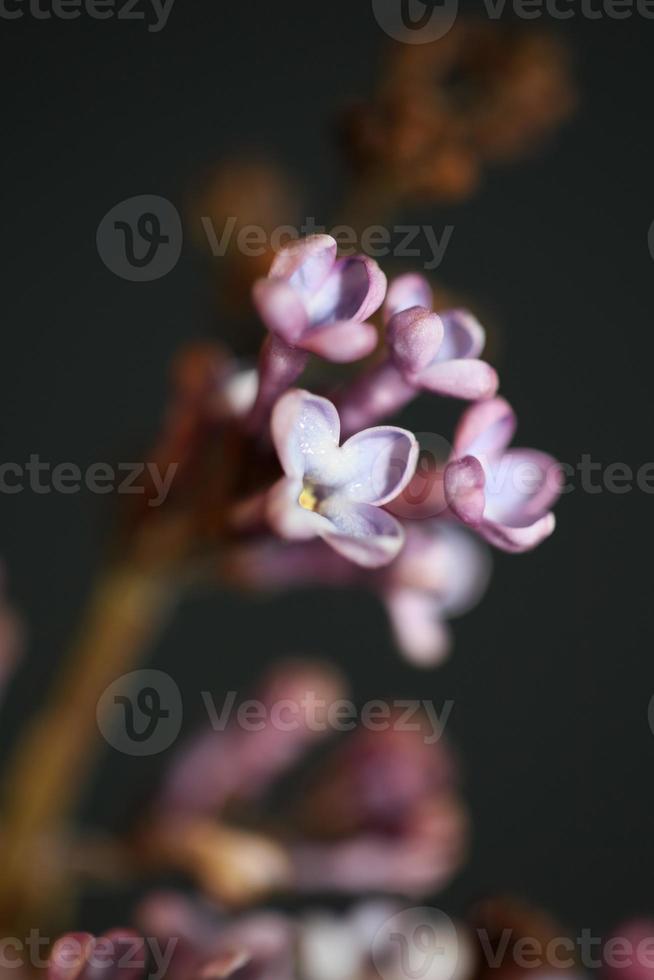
381 811
427 352
436 353
442 572
337 492
314 301
505 494
390 805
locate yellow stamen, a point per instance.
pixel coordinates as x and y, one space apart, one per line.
308 499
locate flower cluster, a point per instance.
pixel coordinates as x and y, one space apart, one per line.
381 812
355 485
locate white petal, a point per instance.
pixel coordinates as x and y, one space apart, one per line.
366 535
379 463
305 430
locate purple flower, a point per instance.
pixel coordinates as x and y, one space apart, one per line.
319 303
442 572
426 352
505 494
337 492
438 353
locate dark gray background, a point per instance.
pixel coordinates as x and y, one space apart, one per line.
553 674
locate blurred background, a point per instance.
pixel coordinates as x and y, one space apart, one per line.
553 674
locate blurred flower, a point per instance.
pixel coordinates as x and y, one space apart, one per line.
333 492
441 573
481 93
505 494
383 812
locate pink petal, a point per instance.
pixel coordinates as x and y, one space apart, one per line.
281 308
305 429
522 487
288 518
406 292
485 429
414 337
341 341
354 290
380 462
464 336
464 490
306 263
362 533
377 284
518 539
419 630
470 379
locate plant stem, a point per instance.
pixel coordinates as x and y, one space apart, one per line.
54 756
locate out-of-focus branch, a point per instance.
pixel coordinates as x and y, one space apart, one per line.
54 756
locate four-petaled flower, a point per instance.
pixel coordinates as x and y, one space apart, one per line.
317 302
436 352
505 494
337 492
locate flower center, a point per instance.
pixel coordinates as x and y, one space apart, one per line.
308 499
